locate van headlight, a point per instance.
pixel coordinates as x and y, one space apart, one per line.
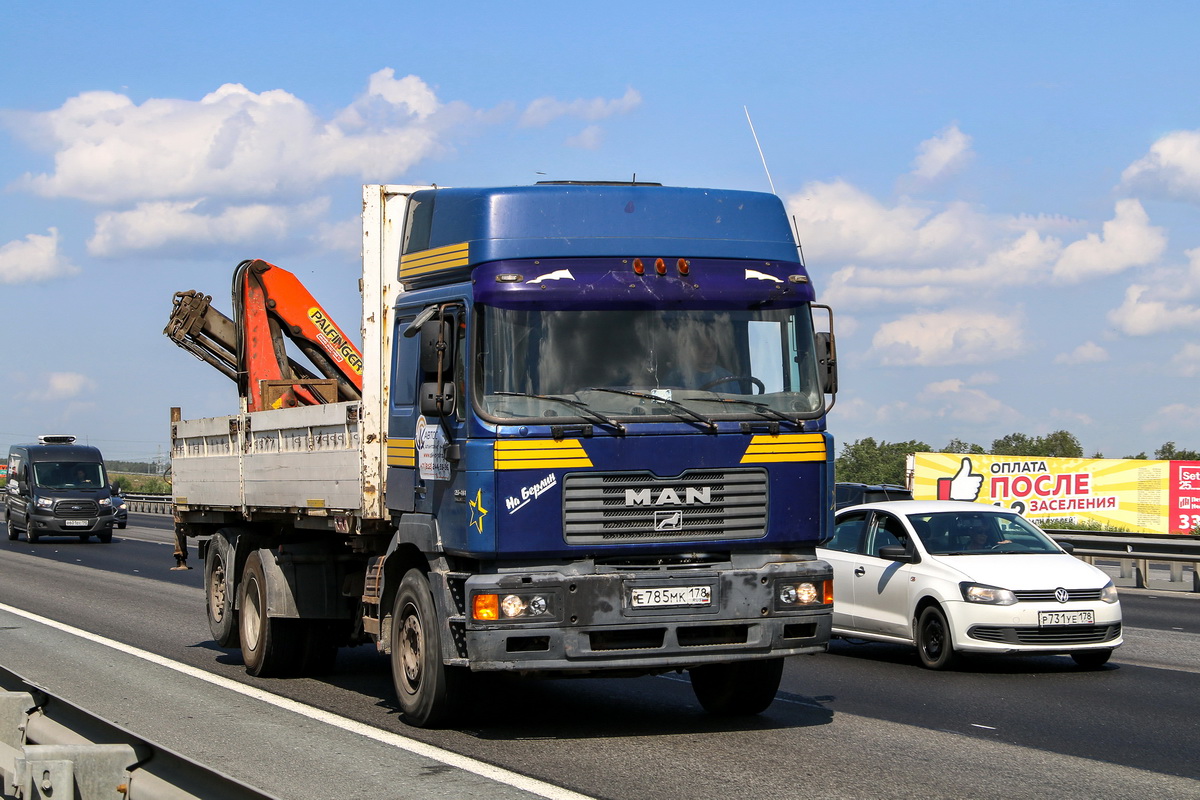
982 593
45 502
105 501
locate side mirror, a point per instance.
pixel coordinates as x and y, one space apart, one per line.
898 552
437 399
827 362
22 488
435 334
1067 547
113 489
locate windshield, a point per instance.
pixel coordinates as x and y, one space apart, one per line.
957 533
68 474
630 363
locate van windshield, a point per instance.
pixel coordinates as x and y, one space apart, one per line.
68 474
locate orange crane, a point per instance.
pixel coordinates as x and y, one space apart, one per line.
269 304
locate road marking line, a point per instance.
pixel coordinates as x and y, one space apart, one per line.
432 752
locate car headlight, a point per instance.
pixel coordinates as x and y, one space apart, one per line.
106 501
1109 593
982 593
45 502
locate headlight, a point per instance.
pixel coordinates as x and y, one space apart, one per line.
105 501
509 606
789 594
45 502
1109 593
993 595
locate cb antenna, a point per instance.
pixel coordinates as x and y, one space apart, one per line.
759 146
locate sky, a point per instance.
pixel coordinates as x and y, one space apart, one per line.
999 200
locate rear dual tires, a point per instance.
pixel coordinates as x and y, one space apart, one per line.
427 691
740 689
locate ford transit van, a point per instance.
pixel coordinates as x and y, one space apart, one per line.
58 488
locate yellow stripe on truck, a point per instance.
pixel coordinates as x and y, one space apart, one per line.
540 454
765 449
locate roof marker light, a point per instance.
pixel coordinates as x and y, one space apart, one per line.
660 266
684 266
638 267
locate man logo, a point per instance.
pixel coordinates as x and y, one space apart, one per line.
668 520
692 495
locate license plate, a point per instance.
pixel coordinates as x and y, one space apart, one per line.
665 596
1050 618
77 523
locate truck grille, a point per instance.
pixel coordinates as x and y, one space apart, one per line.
69 509
609 508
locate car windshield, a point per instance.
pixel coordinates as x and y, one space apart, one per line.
68 474
957 533
647 365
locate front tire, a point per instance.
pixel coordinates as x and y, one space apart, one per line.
219 590
105 537
743 688
426 689
30 535
934 645
269 646
1092 659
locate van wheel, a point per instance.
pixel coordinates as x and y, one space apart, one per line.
269 646
933 639
31 535
220 589
83 537
427 690
13 533
105 537
743 688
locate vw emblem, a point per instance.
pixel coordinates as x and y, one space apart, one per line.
1062 595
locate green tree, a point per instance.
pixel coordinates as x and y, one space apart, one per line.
866 461
1015 444
1060 444
1168 453
967 448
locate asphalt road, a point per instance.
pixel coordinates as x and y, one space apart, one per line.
860 721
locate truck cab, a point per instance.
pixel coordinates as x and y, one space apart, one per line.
58 488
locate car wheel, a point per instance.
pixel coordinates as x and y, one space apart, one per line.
122 525
1092 659
933 639
743 688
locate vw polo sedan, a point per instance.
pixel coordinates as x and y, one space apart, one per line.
952 578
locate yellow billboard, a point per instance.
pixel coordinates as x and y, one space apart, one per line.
1138 496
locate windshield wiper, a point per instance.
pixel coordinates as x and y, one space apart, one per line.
674 404
587 410
759 408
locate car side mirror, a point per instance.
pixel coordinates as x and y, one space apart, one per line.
113 489
1067 547
22 488
898 552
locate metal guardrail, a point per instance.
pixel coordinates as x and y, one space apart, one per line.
50 748
1179 557
147 503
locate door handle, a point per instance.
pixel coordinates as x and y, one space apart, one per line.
860 571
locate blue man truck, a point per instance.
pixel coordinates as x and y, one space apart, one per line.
585 435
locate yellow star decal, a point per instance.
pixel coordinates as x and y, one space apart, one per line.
477 509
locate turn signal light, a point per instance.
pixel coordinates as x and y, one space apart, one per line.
485 607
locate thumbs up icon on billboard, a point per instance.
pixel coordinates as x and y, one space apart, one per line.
964 485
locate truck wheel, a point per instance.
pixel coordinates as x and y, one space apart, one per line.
219 591
933 639
269 646
425 687
743 688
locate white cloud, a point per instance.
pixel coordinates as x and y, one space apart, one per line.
942 154
590 138
34 258
947 338
56 386
1186 363
1141 314
161 226
232 142
1174 417
954 399
1128 240
1170 169
545 110
1086 353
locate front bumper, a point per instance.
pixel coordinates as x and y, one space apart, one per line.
50 524
981 628
593 626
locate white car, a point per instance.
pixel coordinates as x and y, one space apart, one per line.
952 578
